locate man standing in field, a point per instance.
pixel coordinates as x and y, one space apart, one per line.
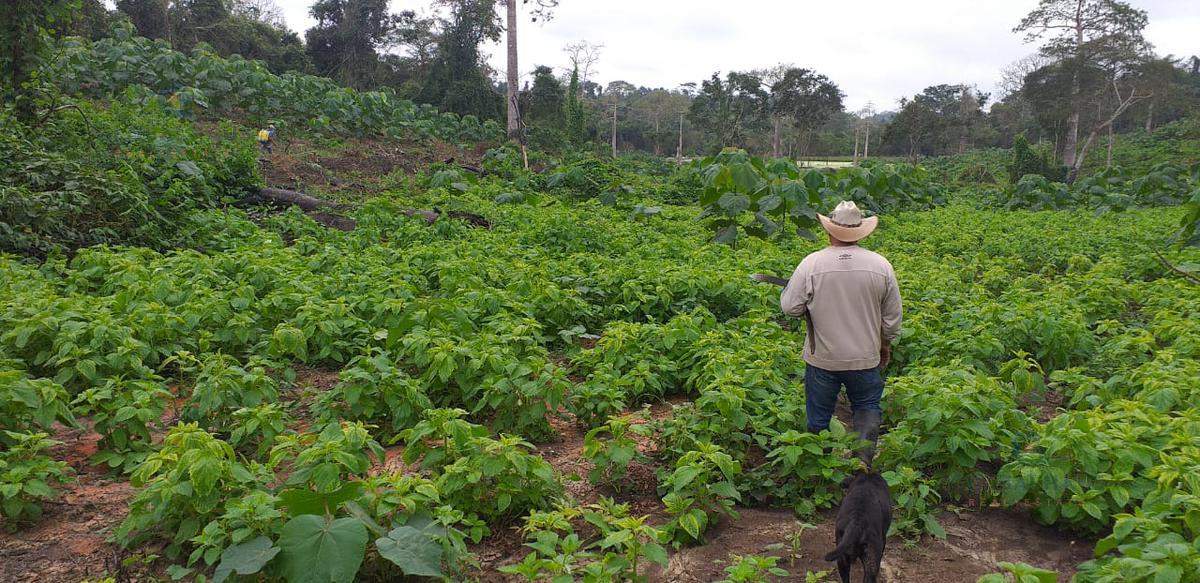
851 300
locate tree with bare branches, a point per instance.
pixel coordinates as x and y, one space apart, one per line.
1081 35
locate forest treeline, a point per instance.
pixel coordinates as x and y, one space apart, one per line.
1090 73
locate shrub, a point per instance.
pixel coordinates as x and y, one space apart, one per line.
127 175
27 476
1026 160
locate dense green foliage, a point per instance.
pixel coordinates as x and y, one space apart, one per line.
1050 357
1111 189
204 82
1026 160
778 192
446 316
123 174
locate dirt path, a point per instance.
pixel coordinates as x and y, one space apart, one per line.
976 541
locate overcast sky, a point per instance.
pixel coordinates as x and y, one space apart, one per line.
875 50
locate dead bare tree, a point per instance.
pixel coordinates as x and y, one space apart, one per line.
583 56
1123 102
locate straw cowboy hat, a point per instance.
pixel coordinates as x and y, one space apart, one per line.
847 224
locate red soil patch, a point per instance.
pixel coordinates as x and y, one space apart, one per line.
68 543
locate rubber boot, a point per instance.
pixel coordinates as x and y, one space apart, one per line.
866 424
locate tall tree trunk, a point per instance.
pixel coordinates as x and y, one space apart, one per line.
867 143
1108 161
166 16
1150 118
614 131
514 115
679 148
1072 137
657 142
775 146
856 132
1123 104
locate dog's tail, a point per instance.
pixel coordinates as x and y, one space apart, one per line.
850 538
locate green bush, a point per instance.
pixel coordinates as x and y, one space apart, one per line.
1088 466
183 486
124 174
952 421
203 81
1026 160
27 476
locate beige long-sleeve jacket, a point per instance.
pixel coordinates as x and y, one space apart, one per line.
851 299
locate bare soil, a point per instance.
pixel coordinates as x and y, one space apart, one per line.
358 167
69 542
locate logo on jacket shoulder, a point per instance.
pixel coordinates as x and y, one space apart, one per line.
845 256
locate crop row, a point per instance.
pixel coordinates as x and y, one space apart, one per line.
461 343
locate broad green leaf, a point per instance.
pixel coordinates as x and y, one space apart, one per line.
247 558
412 550
302 501
316 549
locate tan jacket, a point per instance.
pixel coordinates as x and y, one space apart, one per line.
851 300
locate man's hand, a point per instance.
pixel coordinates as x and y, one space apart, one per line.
885 354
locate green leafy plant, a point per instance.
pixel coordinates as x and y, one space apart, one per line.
124 413
970 420
773 193
1026 160
183 486
914 504
1019 573
794 544
27 403
1089 465
28 476
475 473
698 491
258 426
752 568
323 462
612 446
253 517
621 544
806 469
373 389
222 386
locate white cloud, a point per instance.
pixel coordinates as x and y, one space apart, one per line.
876 50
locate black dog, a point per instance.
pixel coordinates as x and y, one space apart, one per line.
862 526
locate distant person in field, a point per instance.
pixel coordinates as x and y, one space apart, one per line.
266 137
851 301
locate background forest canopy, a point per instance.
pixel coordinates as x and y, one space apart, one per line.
1090 74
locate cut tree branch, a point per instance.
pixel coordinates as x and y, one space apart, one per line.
314 207
1190 277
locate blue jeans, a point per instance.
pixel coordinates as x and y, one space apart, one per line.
821 388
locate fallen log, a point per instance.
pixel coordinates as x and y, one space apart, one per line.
288 198
310 205
469 168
